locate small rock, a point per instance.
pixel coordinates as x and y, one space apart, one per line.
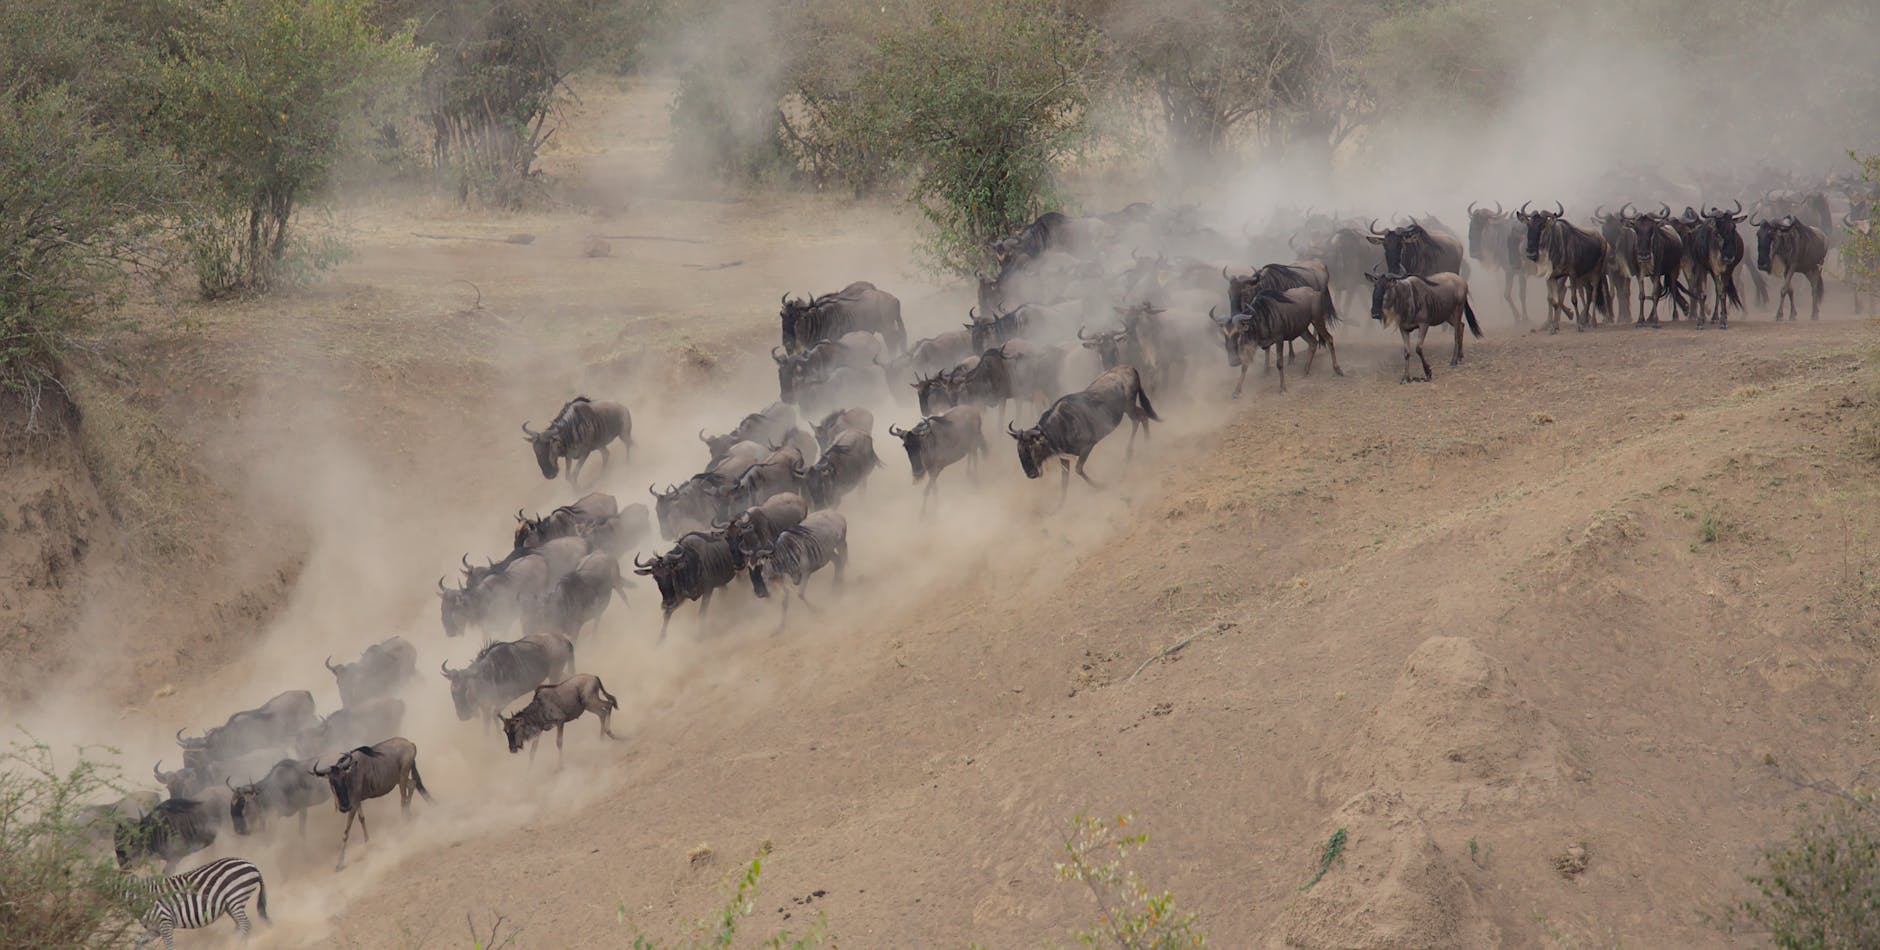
1573 862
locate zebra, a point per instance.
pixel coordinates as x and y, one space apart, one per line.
198 898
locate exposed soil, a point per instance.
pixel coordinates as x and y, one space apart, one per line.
1543 636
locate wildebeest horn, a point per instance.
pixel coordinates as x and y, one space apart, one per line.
444 665
637 562
315 771
972 313
1080 332
440 585
226 780
466 563
1560 211
1739 206
329 656
156 771
1664 210
1471 209
1373 227
1214 318
1596 212
1498 211
1523 209
1753 222
784 301
773 353
896 431
1622 213
1011 430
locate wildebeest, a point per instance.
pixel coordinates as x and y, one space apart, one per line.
1073 426
493 597
362 722
557 706
172 831
1051 231
768 427
368 772
101 822
842 469
1788 247
378 671
931 393
857 350
696 567
834 423
273 724
582 428
617 534
579 598
1725 253
933 354
1621 259
859 306
776 474
1576 265
757 526
1659 253
1415 249
1348 255
844 385
1415 304
565 521
938 441
1275 318
1496 241
288 789
799 551
500 672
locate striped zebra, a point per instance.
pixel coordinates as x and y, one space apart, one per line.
199 898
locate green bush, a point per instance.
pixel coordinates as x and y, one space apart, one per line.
59 881
262 98
1821 888
721 929
1130 916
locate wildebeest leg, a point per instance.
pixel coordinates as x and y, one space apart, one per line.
1312 352
1331 349
606 460
664 621
1242 381
1064 483
1456 359
558 727
303 824
1815 287
532 745
1279 359
1422 332
1081 459
343 836
1786 295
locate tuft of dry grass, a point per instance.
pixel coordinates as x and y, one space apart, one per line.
1542 418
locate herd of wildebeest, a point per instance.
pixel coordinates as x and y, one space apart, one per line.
1068 300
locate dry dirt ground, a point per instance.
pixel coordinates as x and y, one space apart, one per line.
1545 637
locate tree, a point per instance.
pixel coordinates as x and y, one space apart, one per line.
61 883
261 99
983 102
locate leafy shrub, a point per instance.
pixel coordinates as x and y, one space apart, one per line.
262 99
59 881
1130 916
721 929
1821 888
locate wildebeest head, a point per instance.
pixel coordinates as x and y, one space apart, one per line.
342 769
932 393
1537 223
241 801
1394 241
180 783
1107 344
548 448
1388 291
1033 448
462 692
1724 223
819 480
761 569
519 729
912 440
791 312
788 369
664 570
457 605
1479 221
1766 232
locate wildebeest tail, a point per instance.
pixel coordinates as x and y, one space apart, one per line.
1602 294
1680 298
612 703
1331 309
1142 400
417 781
1468 313
1730 296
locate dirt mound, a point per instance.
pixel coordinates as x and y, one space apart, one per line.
1390 887
1454 736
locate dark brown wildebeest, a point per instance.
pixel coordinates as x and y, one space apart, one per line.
938 441
842 469
769 427
696 567
859 306
1621 259
1659 256
368 772
272 725
1415 304
1348 255
578 599
755 527
1725 254
1072 427
383 667
1496 241
617 534
582 428
588 510
1415 249
556 706
352 725
500 672
287 790
1788 247
1576 267
834 423
1275 318
799 551
172 831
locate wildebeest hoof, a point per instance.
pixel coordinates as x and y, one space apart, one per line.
1337 372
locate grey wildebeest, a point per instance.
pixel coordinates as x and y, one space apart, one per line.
755 527
774 475
500 672
931 393
1275 318
272 725
1415 249
362 722
859 306
835 422
857 350
769 427
492 597
697 566
1576 267
1788 247
368 772
582 428
172 831
799 551
1621 259
568 520
382 668
842 469
288 790
579 598
1495 240
1073 426
1415 304
617 534
931 355
557 706
938 441
1348 255
1659 255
